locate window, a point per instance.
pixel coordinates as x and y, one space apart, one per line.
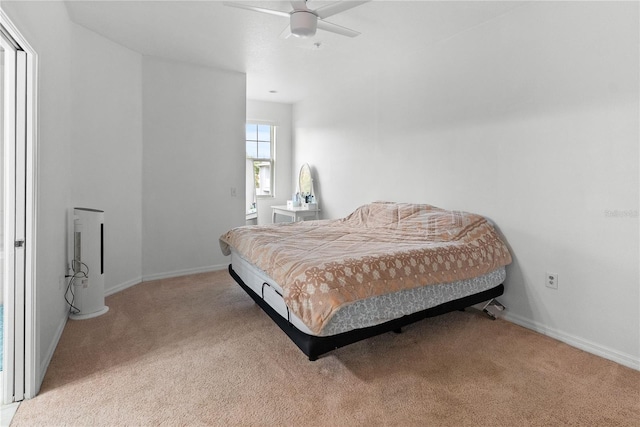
260 148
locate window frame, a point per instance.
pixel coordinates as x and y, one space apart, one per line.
271 160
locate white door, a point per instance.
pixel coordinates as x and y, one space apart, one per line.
14 149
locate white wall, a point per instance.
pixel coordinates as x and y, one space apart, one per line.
193 153
530 119
92 153
280 115
89 152
47 29
107 151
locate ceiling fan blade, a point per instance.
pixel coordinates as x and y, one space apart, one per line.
256 9
337 7
299 5
334 28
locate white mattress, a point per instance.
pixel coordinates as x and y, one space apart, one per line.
370 311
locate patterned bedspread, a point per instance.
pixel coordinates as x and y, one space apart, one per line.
378 249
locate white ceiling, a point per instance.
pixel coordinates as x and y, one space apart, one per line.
212 34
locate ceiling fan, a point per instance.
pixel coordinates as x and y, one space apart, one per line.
303 21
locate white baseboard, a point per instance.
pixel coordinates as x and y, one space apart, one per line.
122 286
185 272
44 364
588 346
177 273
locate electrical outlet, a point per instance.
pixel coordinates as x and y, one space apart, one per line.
551 280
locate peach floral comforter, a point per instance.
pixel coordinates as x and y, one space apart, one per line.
378 249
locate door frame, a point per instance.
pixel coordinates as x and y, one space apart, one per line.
28 385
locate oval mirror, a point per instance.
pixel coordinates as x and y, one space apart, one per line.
305 180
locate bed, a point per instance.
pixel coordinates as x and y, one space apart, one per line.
329 283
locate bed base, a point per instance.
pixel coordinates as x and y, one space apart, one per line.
492 307
314 346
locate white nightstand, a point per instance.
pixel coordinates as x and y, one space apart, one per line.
296 214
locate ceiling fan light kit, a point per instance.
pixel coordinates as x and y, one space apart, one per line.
303 23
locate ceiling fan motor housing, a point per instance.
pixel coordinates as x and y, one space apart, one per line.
303 23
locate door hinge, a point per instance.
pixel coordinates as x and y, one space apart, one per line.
19 243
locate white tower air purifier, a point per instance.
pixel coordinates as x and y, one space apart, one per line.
87 265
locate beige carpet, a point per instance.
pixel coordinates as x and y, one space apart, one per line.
197 351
